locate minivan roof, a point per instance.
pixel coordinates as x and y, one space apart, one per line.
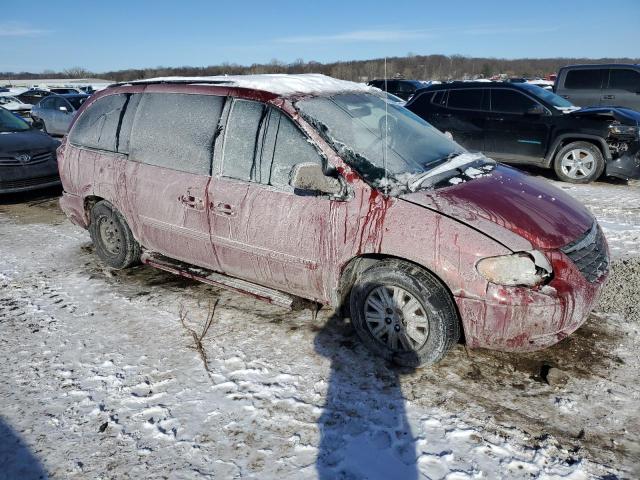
277 83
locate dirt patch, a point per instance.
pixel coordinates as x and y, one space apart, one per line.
622 293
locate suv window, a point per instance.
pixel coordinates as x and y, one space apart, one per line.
291 148
467 98
510 101
624 79
584 79
241 139
439 98
97 126
176 131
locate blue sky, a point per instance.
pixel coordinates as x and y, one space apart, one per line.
116 34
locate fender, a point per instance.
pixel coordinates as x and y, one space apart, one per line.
548 160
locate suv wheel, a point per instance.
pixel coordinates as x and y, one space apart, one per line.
579 162
112 237
404 314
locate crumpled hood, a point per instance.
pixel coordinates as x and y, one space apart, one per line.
27 141
511 207
623 115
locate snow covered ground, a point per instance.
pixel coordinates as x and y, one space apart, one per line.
100 379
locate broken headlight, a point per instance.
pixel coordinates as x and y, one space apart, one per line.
523 268
618 130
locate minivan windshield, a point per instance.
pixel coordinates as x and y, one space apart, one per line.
10 123
372 134
548 96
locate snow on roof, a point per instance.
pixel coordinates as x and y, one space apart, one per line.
278 83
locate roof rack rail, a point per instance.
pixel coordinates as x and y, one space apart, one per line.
177 81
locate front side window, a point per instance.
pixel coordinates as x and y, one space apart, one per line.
385 143
624 79
547 95
175 130
590 79
510 101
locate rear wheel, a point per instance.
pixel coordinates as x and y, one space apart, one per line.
579 162
112 237
404 314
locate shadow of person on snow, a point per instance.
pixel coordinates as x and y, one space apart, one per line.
364 429
16 460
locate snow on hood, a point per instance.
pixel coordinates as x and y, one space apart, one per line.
278 83
508 202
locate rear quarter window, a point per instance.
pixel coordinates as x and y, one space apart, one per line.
175 130
97 126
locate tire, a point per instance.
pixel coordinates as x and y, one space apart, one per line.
112 237
579 162
418 307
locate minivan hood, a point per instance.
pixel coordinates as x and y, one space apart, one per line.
508 202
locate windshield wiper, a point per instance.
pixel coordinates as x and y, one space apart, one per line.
441 162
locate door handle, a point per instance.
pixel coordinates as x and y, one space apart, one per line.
192 202
224 209
608 97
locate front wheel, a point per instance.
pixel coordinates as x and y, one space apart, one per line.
404 314
112 237
579 162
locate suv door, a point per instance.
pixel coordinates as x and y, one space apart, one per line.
513 132
623 88
583 86
261 229
464 116
170 151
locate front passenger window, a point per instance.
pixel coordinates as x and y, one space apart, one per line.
510 101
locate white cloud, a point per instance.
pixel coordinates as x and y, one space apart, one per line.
15 29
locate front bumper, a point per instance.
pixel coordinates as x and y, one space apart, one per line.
525 319
21 178
626 166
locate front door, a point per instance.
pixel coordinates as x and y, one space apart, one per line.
515 131
261 229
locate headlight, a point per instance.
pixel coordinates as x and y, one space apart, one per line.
522 268
624 130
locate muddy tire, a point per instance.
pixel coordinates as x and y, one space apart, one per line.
112 237
404 314
579 162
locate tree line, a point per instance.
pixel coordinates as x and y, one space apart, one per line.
422 67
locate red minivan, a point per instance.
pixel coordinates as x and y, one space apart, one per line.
303 186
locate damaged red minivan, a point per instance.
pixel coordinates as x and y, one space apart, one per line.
304 186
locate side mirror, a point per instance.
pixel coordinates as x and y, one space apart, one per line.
536 110
310 177
63 109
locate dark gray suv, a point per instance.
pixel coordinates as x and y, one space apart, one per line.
600 85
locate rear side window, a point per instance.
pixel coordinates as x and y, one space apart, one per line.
584 79
467 99
97 126
624 79
131 105
439 98
510 101
176 130
241 140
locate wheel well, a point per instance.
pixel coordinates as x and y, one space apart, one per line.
565 141
89 202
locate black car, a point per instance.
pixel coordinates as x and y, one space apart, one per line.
400 88
33 95
27 156
523 123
